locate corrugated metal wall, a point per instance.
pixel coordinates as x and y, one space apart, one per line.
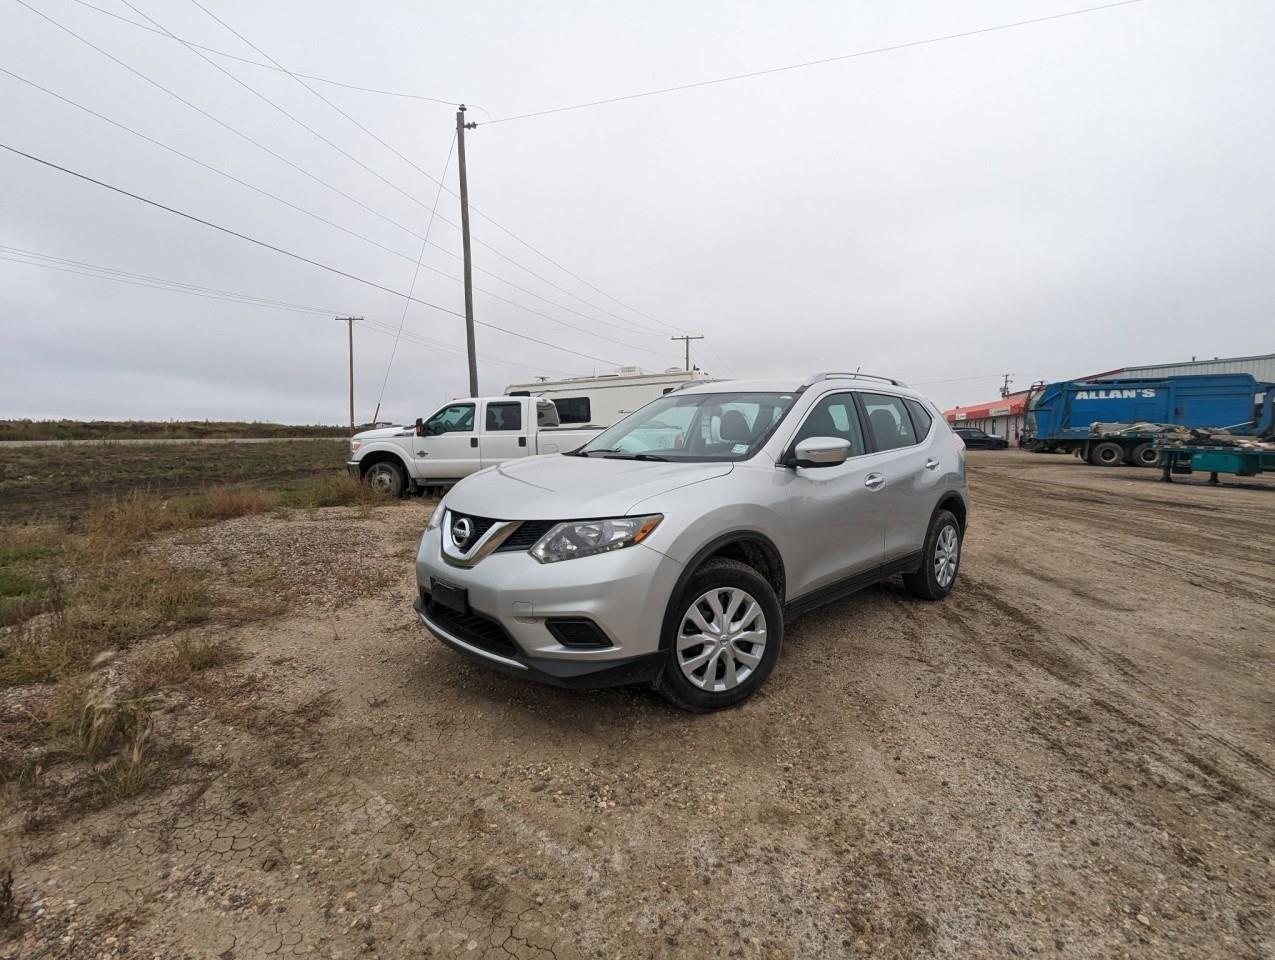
1262 368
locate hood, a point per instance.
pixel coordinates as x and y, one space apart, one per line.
380 433
558 487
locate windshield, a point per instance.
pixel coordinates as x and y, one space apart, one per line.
693 426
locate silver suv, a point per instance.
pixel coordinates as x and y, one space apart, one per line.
672 548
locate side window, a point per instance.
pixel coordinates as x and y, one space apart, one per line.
504 416
888 420
458 418
834 416
546 414
573 409
921 418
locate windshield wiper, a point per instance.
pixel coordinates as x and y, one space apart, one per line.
654 458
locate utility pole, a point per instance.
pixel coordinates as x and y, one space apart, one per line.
349 323
1005 385
687 340
461 127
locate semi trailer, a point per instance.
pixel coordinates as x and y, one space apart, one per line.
1060 416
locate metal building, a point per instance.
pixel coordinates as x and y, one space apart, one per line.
1262 368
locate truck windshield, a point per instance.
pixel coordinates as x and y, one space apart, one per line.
694 426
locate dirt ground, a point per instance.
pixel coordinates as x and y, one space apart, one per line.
1071 756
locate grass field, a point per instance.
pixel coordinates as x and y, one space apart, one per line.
159 430
59 483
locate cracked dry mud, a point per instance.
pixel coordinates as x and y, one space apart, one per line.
1072 756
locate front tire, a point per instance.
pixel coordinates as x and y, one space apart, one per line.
386 478
722 638
941 559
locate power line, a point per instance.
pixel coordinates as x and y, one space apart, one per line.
288 253
31 258
353 233
393 150
815 63
270 66
264 99
297 167
412 287
216 120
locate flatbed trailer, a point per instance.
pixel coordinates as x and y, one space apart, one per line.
1214 459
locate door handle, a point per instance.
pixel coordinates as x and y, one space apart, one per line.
473 441
522 441
874 481
931 464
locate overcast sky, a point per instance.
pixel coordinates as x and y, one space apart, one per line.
1047 201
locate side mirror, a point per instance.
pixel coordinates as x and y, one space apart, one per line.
821 452
420 426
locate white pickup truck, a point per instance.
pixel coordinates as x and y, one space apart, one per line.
462 437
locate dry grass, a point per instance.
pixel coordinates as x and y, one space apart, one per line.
131 772
89 722
178 665
111 608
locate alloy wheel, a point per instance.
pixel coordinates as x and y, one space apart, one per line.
947 553
721 639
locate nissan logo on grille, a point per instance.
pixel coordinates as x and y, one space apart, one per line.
462 530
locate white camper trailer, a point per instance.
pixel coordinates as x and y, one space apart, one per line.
603 399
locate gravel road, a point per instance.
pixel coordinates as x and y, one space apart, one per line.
1072 756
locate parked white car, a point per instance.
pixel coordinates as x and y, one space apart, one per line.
461 438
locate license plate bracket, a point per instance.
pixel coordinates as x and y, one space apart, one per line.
451 597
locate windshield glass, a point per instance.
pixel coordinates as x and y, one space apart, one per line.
694 426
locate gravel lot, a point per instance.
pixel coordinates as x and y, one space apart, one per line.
1071 756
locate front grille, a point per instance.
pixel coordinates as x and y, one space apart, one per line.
473 628
525 537
480 525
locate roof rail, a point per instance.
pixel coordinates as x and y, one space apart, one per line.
833 375
692 383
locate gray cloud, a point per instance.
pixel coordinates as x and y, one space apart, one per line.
1046 201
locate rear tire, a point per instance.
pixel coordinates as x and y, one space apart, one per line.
941 559
1106 455
725 664
1145 455
386 478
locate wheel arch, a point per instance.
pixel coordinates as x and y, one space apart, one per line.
749 547
373 457
955 503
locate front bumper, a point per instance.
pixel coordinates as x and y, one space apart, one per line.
513 598
577 674
352 468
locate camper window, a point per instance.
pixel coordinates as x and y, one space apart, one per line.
573 409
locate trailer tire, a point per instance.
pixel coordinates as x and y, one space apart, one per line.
1106 454
1145 455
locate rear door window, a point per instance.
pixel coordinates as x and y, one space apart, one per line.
888 421
504 416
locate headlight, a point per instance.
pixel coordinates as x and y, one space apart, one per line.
583 538
354 446
436 517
